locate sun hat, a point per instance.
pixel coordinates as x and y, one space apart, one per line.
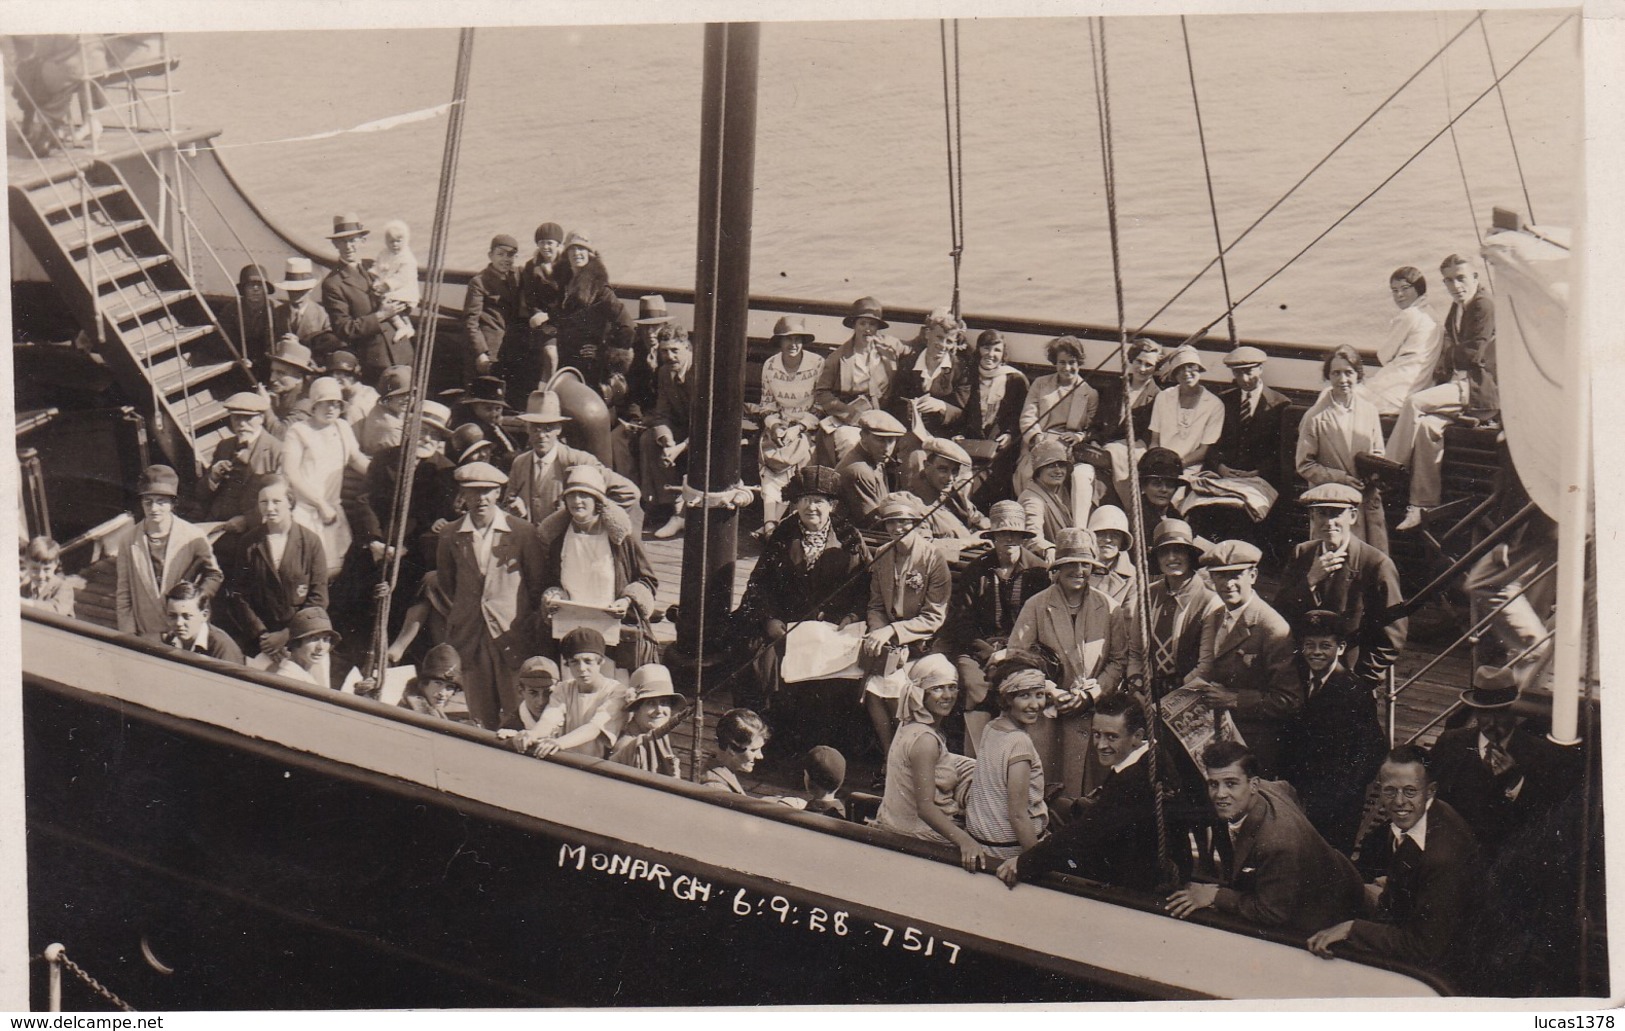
346 226
866 308
542 407
586 479
652 310
1007 517
297 274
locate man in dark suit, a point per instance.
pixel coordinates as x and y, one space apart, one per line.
665 444
1253 674
868 472
491 310
273 570
1332 748
1496 774
1423 862
357 307
1335 570
1249 445
228 490
1114 838
1275 869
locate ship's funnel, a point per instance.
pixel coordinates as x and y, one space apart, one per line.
589 416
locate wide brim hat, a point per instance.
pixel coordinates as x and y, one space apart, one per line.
542 408
814 479
437 417
480 474
254 274
1075 545
1494 687
1007 517
160 480
346 226
866 308
1232 555
1245 357
791 326
1176 533
297 274
652 310
586 479
395 381
247 402
651 681
465 440
289 351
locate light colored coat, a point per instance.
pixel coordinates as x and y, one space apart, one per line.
535 496
1045 409
910 592
140 599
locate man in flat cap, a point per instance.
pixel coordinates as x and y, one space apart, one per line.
491 310
1253 674
1250 443
867 472
490 567
1335 570
942 478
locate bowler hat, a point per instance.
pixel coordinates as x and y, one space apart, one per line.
814 479
1110 517
881 424
442 663
1331 495
586 479
542 407
160 480
395 380
1232 555
550 231
1245 357
581 639
479 474
791 326
297 274
308 622
342 361
247 402
538 670
289 351
651 681
1494 687
346 226
866 308
1007 517
1161 462
652 310
254 274
466 441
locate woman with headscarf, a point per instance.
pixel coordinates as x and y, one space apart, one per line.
590 318
925 782
991 401
1338 427
591 557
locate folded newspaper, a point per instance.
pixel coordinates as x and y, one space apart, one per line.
816 650
1186 712
569 615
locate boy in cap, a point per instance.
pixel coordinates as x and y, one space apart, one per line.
586 711
656 709
226 492
490 567
867 472
537 677
1253 675
491 309
157 552
1336 570
541 289
823 771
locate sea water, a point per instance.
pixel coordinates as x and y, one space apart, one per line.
598 129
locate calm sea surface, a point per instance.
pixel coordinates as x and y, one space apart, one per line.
598 129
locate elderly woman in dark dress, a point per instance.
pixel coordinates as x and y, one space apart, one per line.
810 569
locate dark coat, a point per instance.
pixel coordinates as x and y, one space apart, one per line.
1360 592
979 614
237 493
1257 446
1281 873
219 646
1426 897
259 596
1255 658
1469 346
434 496
1109 416
351 298
542 292
909 383
491 311
253 329
1006 420
1114 840
674 407
590 318
1481 796
1330 751
784 588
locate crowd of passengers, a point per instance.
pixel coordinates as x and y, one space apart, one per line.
959 534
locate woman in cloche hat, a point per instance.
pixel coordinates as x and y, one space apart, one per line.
589 318
314 456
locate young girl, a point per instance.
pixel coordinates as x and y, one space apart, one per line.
741 735
656 710
1006 811
396 269
438 679
44 586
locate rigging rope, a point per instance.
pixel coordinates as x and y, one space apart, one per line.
1461 166
954 142
1207 172
1506 120
1103 108
1391 176
412 425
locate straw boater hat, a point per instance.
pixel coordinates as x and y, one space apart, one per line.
254 274
586 479
650 682
479 474
542 407
1245 358
442 663
247 402
160 480
290 352
814 479
436 417
1232 555
791 326
1072 545
652 310
1007 517
346 226
297 274
866 308
1494 687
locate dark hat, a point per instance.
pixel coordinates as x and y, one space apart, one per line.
442 663
652 310
581 639
487 388
254 274
1331 495
452 396
289 351
342 361
814 479
825 767
503 240
395 380
550 231
309 622
466 441
1160 461
1321 623
1233 555
159 479
866 308
346 226
1494 687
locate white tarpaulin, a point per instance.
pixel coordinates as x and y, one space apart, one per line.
1531 330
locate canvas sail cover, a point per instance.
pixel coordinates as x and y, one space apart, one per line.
1531 277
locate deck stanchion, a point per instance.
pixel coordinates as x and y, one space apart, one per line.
53 965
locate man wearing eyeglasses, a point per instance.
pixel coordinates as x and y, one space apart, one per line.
1422 863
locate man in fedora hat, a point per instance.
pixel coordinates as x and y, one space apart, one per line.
1336 570
665 444
490 567
1500 777
541 291
226 491
356 304
536 483
299 313
292 366
928 375
486 402
857 376
868 471
157 552
641 375
491 310
248 318
1254 676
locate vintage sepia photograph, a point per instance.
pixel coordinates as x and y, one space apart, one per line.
903 510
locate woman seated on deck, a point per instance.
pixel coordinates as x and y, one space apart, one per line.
925 782
1336 429
1408 353
1047 502
1061 407
991 402
1118 407
1186 418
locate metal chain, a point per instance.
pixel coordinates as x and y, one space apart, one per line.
94 985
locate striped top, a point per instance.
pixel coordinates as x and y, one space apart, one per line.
987 815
